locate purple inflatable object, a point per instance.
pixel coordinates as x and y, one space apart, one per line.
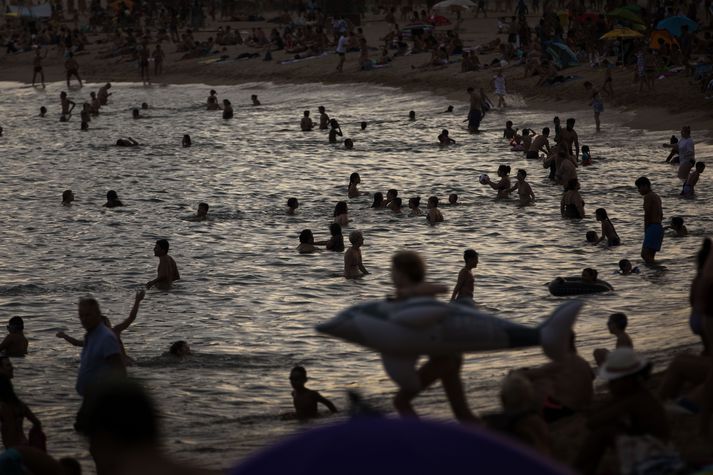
374 446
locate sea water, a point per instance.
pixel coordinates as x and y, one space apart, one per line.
247 302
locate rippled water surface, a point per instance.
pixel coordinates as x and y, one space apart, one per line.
247 302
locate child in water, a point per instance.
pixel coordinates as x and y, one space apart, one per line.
509 132
306 242
353 190
414 205
617 326
306 400
434 215
336 242
408 273
15 343
678 227
625 267
444 139
524 191
292 205
453 199
586 156
592 237
589 275
608 231
334 131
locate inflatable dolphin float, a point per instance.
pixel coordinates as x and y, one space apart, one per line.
404 330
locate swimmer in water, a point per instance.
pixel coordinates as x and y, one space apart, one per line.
589 275
434 215
255 100
336 241
66 104
127 142
324 120
67 198
509 132
412 116
379 201
524 190
391 194
306 123
448 110
179 349
592 237
144 106
414 205
353 265
103 94
453 199
465 286
15 343
292 205
353 190
341 213
503 186
363 126
306 400
348 144
112 200
43 111
688 187
444 139
186 142
307 245
586 156
572 204
608 231
396 205
167 272
212 102
201 213
678 227
408 273
625 267
334 131
227 109
135 113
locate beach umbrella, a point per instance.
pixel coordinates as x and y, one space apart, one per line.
663 35
621 33
454 5
384 446
626 14
673 24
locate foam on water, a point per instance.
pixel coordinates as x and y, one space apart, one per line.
248 302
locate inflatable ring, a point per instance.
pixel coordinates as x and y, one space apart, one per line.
576 286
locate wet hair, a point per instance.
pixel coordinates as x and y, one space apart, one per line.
505 169
522 172
348 143
66 194
7 392
43 109
354 177
624 263
434 201
674 140
412 114
340 208
226 102
378 200
591 236
546 131
111 195
186 140
363 125
335 229
212 92
293 203
333 123
354 235
676 221
393 192
444 132
300 370
135 112
585 148
306 236
410 264
642 181
415 201
144 105
176 346
306 113
591 271
601 214
572 184
453 198
525 132
469 254
120 409
619 320
16 323
203 205
508 123
163 244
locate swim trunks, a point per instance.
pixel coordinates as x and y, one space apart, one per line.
653 237
474 118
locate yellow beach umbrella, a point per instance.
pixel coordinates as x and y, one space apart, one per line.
621 33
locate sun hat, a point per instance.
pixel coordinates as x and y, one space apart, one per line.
622 362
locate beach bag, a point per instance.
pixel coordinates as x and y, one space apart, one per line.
647 455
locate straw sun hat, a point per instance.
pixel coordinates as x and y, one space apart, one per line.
622 362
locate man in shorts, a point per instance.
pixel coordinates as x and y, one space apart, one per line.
342 51
72 68
653 216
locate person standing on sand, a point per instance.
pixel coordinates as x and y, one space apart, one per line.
37 67
72 68
598 105
158 57
144 68
342 51
167 269
475 114
499 86
353 266
653 216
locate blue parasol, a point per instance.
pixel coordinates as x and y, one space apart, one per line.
673 25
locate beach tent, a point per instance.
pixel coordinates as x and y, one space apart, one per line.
35 11
663 35
673 25
390 446
562 56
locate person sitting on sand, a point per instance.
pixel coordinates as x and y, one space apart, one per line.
509 132
353 266
465 285
408 273
292 205
608 231
414 205
678 227
444 139
617 326
572 204
307 245
127 142
353 190
336 241
632 410
112 200
15 343
227 109
564 386
341 213
433 215
524 190
453 199
688 187
626 268
306 123
334 131
186 141
212 101
167 272
503 186
179 349
67 198
306 400
379 201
